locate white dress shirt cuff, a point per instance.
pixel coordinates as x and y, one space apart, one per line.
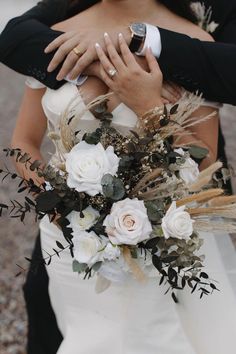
153 40
79 81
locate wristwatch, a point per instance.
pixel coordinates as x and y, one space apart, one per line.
138 35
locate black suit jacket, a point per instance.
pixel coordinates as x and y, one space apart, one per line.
195 65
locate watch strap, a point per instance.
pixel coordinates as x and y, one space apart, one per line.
135 43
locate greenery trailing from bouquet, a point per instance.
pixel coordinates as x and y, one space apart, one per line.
129 205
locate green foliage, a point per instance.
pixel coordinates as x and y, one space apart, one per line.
79 267
198 152
113 187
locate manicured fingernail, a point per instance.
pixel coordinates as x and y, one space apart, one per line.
97 45
106 35
120 35
59 77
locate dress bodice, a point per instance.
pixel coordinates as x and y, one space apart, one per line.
55 103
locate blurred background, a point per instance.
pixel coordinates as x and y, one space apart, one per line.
16 239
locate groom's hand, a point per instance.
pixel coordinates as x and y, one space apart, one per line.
84 41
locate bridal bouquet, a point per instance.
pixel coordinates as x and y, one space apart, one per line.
129 205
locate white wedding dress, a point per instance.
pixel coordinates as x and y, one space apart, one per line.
133 318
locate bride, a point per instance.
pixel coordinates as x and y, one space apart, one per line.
126 318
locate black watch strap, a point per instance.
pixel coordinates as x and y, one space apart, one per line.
135 43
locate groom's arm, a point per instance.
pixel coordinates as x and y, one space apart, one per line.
24 39
208 67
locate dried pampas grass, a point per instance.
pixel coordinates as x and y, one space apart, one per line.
221 201
214 225
226 211
70 119
205 177
201 197
133 265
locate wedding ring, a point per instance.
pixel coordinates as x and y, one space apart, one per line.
77 51
112 72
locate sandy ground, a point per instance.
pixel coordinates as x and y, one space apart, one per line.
16 240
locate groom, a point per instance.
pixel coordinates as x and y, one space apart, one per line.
204 66
195 65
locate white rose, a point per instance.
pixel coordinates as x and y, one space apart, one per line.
177 223
128 222
111 252
86 165
189 170
87 247
81 224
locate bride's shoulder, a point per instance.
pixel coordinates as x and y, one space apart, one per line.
176 23
195 31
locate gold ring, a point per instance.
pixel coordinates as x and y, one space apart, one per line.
77 52
112 72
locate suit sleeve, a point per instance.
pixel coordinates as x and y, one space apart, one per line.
206 67
24 39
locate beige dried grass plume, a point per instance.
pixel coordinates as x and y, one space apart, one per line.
69 122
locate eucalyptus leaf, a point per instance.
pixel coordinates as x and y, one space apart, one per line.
97 266
152 243
78 267
198 152
157 262
101 107
126 161
24 158
174 109
36 164
154 211
47 201
93 138
112 187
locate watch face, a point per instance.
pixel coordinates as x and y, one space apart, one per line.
139 29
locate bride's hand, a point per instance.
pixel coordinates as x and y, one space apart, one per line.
138 89
171 92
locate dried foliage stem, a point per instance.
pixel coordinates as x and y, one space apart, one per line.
134 267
